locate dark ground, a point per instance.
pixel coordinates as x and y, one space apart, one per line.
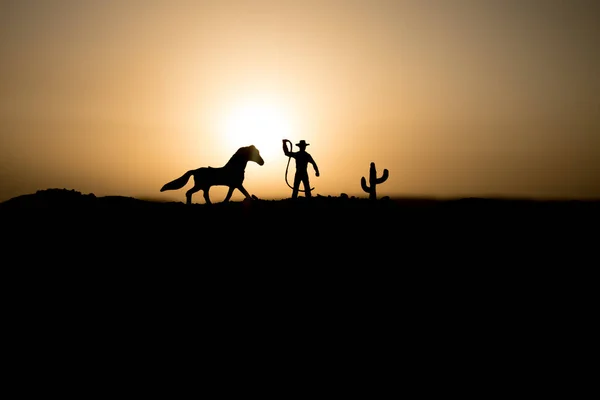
482 277
336 241
305 232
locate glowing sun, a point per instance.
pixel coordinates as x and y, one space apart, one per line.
262 124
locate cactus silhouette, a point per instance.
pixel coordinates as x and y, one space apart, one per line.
373 181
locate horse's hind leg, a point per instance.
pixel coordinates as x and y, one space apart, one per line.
190 192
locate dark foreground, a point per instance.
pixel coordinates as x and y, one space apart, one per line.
335 241
425 271
334 231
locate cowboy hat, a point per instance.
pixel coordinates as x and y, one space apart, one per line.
302 143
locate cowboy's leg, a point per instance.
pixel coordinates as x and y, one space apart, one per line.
306 186
297 180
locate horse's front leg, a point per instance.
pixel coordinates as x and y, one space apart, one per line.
243 190
229 193
206 195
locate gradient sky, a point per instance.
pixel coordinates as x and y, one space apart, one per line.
453 97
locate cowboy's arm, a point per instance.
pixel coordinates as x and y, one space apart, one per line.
314 164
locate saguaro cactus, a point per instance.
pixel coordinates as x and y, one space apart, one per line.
373 181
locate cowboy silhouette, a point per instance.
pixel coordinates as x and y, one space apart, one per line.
302 160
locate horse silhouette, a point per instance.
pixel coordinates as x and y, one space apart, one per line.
231 174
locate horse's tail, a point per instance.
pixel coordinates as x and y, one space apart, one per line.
178 183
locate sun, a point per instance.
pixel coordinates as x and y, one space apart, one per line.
261 123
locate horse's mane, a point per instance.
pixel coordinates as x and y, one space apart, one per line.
241 156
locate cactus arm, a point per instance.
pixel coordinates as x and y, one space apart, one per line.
363 184
383 178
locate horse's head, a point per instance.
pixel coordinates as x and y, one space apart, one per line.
254 155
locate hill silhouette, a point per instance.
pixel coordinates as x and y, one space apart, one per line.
297 222
430 261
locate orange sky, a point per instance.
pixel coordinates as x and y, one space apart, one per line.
454 98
